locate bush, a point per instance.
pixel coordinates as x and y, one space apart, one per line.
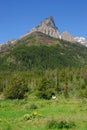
66 124
45 89
33 106
83 93
17 87
53 124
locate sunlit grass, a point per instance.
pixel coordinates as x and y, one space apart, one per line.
12 112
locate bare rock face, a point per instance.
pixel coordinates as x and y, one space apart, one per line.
47 26
67 36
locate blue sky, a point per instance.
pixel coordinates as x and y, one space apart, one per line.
18 16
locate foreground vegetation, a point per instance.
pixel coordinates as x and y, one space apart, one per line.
69 82
26 102
33 114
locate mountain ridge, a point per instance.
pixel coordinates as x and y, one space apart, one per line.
40 51
48 27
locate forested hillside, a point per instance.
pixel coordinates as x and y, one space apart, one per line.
57 65
40 51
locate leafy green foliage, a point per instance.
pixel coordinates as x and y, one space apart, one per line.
66 124
53 124
16 88
45 89
33 106
67 82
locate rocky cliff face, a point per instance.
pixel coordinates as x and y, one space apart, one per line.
67 36
47 26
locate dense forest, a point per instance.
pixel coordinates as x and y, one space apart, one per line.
44 66
69 82
39 51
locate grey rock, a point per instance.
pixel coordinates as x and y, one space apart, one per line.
47 26
67 36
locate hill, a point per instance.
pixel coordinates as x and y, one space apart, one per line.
40 51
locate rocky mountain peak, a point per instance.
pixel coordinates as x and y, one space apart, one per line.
47 26
49 22
67 36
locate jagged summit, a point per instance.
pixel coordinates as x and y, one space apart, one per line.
67 36
47 26
49 22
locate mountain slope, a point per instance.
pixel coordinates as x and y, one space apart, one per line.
40 51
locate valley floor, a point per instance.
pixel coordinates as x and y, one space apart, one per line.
38 114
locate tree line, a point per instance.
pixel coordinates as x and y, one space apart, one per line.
69 82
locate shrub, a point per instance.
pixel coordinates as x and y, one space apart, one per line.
83 93
17 87
53 124
45 89
66 124
33 106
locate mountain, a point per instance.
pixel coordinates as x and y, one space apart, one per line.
67 36
43 48
40 51
81 40
47 26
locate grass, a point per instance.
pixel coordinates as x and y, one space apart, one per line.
13 111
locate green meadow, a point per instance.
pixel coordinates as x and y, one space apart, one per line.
40 114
